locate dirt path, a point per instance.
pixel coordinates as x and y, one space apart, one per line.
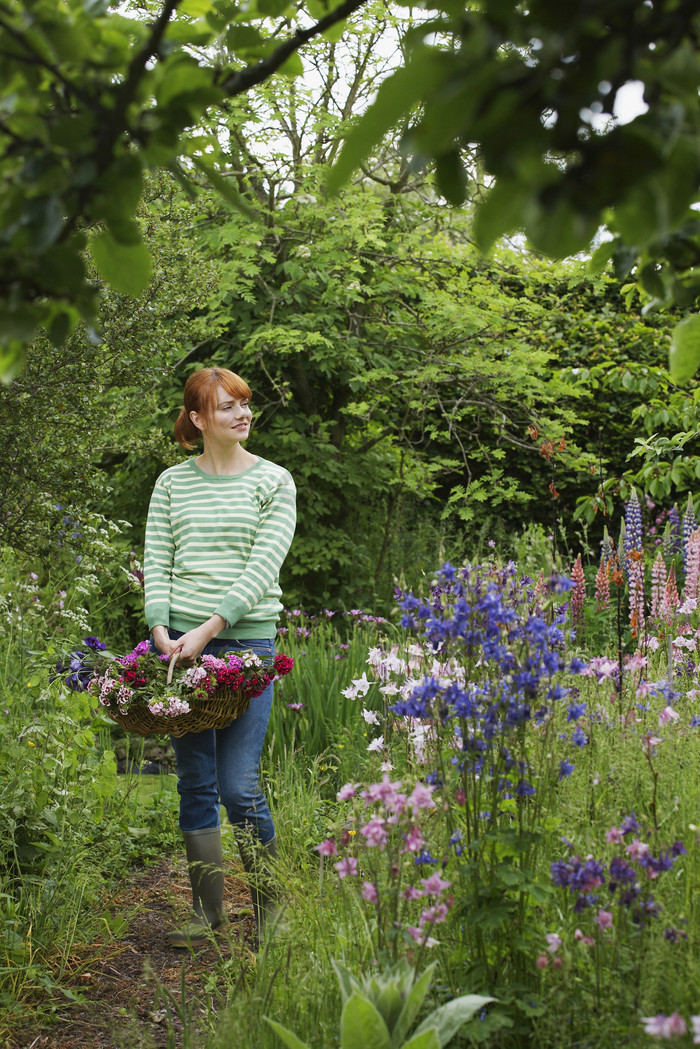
130 985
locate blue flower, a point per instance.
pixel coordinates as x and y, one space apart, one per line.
579 737
95 643
629 825
565 769
576 711
424 857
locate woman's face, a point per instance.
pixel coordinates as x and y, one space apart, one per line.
228 423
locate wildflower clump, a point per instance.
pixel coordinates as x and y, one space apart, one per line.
382 852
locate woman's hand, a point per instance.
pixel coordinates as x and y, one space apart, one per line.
163 641
192 643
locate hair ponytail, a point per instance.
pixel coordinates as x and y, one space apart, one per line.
186 433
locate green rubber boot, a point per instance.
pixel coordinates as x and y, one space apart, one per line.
258 862
205 866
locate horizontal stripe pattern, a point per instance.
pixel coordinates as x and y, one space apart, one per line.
215 544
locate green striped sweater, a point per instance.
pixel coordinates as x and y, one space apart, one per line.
215 544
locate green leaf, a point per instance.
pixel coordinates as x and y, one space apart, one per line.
11 358
346 981
287 1036
501 212
293 66
361 1026
395 97
425 1040
414 1001
273 8
126 267
451 177
448 1019
684 355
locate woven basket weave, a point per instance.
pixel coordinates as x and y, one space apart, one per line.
215 711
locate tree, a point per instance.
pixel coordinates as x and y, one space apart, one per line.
534 87
93 97
516 92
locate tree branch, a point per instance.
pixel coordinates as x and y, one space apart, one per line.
241 81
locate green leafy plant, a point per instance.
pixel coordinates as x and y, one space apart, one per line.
379 1010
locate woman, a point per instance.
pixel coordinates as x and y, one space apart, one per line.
219 527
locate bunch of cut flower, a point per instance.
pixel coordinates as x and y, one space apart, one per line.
141 692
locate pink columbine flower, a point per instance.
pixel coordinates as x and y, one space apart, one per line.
637 848
374 832
434 885
434 915
347 791
327 847
614 835
553 942
588 941
411 893
604 919
369 892
542 961
662 1026
346 866
666 715
420 937
414 840
421 797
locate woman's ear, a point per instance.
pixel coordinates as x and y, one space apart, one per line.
198 421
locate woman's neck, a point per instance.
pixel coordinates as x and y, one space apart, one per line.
219 461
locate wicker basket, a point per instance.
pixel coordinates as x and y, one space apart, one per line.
215 711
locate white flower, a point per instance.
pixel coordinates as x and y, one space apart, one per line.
370 717
377 744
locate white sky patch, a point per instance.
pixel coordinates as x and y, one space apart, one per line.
629 102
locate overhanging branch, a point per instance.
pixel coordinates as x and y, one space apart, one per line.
241 81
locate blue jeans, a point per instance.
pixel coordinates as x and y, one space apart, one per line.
221 766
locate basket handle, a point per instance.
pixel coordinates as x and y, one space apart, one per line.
171 666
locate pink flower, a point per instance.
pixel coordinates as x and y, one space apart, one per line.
420 937
542 961
369 892
374 832
411 893
348 791
434 915
421 798
327 847
614 835
636 849
662 1026
604 919
348 865
695 1021
666 715
414 840
434 885
553 942
557 962
588 941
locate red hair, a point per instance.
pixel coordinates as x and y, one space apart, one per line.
201 395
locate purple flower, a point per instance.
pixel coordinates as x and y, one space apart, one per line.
94 642
629 825
565 769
